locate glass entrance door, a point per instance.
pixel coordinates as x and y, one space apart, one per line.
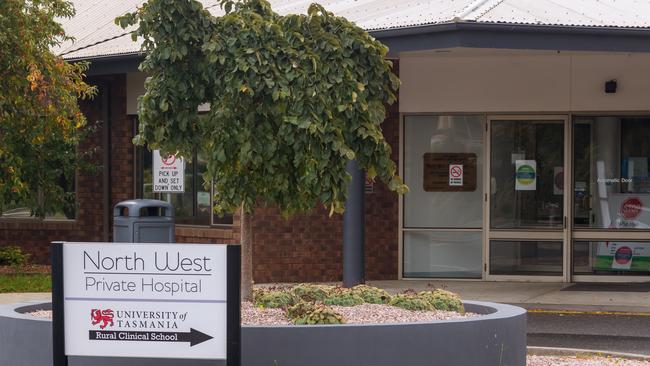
526 200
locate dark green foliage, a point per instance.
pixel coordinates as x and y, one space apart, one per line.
311 292
275 299
443 300
343 297
322 315
13 256
293 98
299 311
410 302
41 124
371 295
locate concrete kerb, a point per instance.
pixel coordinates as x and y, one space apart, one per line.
500 334
554 351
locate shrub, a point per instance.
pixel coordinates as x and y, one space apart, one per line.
343 297
410 302
443 300
13 256
258 293
322 315
371 295
310 292
299 311
275 299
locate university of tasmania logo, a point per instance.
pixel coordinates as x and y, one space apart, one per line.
105 317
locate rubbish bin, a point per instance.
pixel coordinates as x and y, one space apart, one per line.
143 221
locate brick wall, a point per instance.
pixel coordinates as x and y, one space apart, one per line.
214 235
309 247
304 248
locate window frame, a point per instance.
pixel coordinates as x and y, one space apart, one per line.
140 167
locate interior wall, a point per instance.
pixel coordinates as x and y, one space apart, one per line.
526 81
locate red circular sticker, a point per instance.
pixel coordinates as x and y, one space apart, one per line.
631 208
171 159
623 255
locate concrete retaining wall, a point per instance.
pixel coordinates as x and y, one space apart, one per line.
496 338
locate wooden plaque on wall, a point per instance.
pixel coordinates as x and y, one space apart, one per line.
436 172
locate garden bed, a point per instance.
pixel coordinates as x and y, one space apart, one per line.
534 360
309 304
497 336
322 326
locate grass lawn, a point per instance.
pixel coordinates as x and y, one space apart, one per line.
25 282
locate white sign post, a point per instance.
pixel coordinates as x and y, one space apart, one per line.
168 173
147 300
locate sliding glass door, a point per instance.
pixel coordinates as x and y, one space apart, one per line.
527 228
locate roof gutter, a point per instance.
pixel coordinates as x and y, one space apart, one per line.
515 36
508 27
111 64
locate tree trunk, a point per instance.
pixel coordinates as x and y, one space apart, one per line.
246 256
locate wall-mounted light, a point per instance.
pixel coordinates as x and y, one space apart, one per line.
610 87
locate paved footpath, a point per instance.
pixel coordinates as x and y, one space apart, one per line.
604 331
25 297
547 296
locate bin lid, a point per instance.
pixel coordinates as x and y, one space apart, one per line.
134 207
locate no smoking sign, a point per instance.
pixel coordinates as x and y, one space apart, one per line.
455 175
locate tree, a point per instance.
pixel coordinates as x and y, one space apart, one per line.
40 121
293 98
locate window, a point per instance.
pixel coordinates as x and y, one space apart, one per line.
452 206
194 206
611 176
64 209
526 174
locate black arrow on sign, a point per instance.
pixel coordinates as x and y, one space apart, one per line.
194 337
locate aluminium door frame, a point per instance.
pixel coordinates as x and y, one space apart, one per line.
563 235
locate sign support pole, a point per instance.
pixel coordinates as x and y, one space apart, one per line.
233 311
58 333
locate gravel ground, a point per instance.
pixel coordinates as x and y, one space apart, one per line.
582 361
250 315
366 313
373 313
42 314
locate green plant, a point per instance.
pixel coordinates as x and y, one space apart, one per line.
33 282
299 311
258 293
343 297
275 299
410 302
41 123
443 300
371 295
293 98
322 315
13 256
311 292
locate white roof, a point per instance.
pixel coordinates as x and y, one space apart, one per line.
96 34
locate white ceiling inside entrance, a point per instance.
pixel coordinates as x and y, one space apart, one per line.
97 35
